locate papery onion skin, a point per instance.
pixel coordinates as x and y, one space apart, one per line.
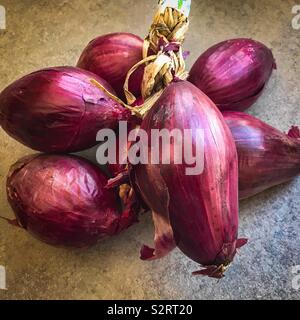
62 200
58 110
233 73
267 157
197 213
111 56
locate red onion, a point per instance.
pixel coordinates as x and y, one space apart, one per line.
233 73
58 110
198 213
111 57
62 200
267 157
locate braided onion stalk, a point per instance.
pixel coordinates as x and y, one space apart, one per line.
163 56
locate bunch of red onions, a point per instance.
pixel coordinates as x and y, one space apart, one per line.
65 200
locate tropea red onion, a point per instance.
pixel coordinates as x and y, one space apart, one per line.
111 56
198 213
62 200
58 110
267 157
233 73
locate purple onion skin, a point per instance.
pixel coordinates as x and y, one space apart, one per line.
197 213
58 110
233 73
111 57
267 157
62 200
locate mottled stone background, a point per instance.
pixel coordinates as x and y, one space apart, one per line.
43 33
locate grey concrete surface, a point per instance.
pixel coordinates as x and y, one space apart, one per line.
44 33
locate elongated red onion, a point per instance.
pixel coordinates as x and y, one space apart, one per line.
58 110
198 213
233 73
62 200
111 57
267 157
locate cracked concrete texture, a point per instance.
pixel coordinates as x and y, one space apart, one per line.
44 33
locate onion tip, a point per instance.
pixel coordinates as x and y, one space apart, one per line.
121 178
146 253
241 242
294 132
216 272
